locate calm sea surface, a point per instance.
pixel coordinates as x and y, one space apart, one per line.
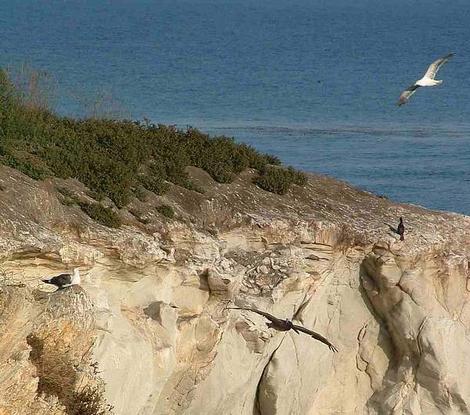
314 82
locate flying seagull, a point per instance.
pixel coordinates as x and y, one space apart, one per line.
286 325
64 280
401 230
426 80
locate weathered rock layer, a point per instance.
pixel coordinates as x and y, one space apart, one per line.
151 325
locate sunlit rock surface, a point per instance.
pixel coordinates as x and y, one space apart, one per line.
150 322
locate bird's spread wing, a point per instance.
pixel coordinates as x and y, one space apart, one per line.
406 94
315 336
436 65
270 317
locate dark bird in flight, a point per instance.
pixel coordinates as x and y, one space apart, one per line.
401 230
64 280
286 325
427 80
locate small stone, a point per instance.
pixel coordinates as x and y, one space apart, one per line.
263 269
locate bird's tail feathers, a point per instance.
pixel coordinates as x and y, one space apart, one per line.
46 280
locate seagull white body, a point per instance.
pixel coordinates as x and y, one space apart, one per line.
427 80
76 275
64 280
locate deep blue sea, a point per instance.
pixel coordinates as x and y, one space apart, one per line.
314 82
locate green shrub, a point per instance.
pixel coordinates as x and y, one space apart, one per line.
274 180
101 214
154 184
270 159
297 177
278 180
67 197
112 157
166 210
194 187
27 164
140 193
64 191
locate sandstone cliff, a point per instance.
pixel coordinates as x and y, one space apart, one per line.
149 329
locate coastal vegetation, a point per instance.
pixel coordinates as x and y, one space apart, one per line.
120 159
57 376
278 180
166 210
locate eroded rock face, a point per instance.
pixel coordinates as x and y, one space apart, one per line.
46 346
424 307
154 312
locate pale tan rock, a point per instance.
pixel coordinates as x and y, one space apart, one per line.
155 313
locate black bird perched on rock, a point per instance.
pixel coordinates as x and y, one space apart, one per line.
64 280
286 325
401 230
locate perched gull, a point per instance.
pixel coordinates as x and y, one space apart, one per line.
64 280
286 325
426 80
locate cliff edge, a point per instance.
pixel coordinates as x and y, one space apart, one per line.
149 332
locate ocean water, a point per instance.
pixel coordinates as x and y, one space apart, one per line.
314 82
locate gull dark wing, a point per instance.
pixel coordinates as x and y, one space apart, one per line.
315 336
436 65
406 94
61 279
270 317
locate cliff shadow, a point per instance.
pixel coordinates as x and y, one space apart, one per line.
384 342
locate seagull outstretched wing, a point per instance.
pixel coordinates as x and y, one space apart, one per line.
406 94
436 65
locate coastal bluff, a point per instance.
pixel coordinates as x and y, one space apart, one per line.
148 331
